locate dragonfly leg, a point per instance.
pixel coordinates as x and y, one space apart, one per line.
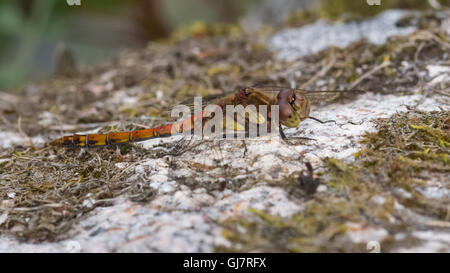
283 136
318 120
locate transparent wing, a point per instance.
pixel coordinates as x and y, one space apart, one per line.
206 100
329 95
270 88
210 99
313 95
233 122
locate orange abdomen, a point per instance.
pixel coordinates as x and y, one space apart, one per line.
112 138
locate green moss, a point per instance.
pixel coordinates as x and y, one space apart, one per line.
441 137
335 9
299 18
201 29
274 221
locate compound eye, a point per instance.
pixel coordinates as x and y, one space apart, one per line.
292 99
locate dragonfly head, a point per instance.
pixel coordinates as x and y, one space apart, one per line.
294 107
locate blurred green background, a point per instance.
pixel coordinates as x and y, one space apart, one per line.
33 32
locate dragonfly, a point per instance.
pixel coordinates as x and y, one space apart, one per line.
294 107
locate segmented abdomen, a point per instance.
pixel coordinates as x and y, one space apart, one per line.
96 140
